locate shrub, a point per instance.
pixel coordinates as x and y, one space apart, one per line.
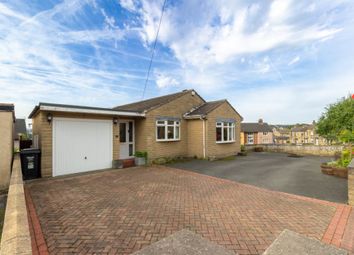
141 154
345 158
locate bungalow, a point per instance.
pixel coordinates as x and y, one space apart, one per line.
256 133
77 139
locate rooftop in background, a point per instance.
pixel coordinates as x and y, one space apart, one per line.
20 126
256 127
7 107
152 103
303 128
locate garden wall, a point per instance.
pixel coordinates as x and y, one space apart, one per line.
16 237
318 150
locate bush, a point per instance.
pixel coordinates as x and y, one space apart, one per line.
345 158
141 154
343 161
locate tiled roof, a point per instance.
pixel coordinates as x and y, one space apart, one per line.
302 128
205 108
149 104
255 127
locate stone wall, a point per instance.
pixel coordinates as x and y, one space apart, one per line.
16 237
318 150
351 183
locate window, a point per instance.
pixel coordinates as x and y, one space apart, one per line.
250 139
167 130
225 132
265 133
122 132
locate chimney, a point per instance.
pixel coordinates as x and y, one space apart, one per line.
260 121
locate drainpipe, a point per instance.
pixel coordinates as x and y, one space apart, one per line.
204 137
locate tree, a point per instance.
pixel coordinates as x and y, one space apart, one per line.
337 122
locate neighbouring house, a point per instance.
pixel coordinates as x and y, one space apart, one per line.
306 134
256 133
76 139
7 120
20 132
281 135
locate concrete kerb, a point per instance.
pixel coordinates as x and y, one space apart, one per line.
16 237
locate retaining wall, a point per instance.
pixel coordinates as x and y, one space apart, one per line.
318 150
16 237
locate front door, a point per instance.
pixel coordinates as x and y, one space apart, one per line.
126 138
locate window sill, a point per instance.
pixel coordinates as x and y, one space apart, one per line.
225 142
170 140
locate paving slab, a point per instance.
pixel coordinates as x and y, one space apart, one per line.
293 243
184 242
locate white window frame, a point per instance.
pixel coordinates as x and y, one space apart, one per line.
164 123
230 131
248 138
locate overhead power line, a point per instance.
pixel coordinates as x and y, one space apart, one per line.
153 49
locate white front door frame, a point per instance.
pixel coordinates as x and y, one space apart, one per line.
126 141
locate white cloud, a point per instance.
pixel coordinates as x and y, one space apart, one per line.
294 61
128 4
4 10
164 81
110 21
37 63
209 43
89 36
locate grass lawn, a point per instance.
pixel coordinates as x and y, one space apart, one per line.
2 214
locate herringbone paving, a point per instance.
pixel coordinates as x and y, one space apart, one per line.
122 211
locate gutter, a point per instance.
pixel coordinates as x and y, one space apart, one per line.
194 117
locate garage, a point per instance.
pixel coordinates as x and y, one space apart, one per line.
81 145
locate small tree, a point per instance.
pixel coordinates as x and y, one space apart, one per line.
336 120
337 123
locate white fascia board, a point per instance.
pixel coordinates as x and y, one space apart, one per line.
92 111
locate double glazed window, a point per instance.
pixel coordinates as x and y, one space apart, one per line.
167 130
225 132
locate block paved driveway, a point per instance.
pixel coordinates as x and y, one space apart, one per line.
276 171
121 211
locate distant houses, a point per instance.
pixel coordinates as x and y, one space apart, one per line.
256 133
281 134
306 134
263 133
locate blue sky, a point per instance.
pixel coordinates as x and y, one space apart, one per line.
281 60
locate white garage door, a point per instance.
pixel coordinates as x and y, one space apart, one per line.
81 145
